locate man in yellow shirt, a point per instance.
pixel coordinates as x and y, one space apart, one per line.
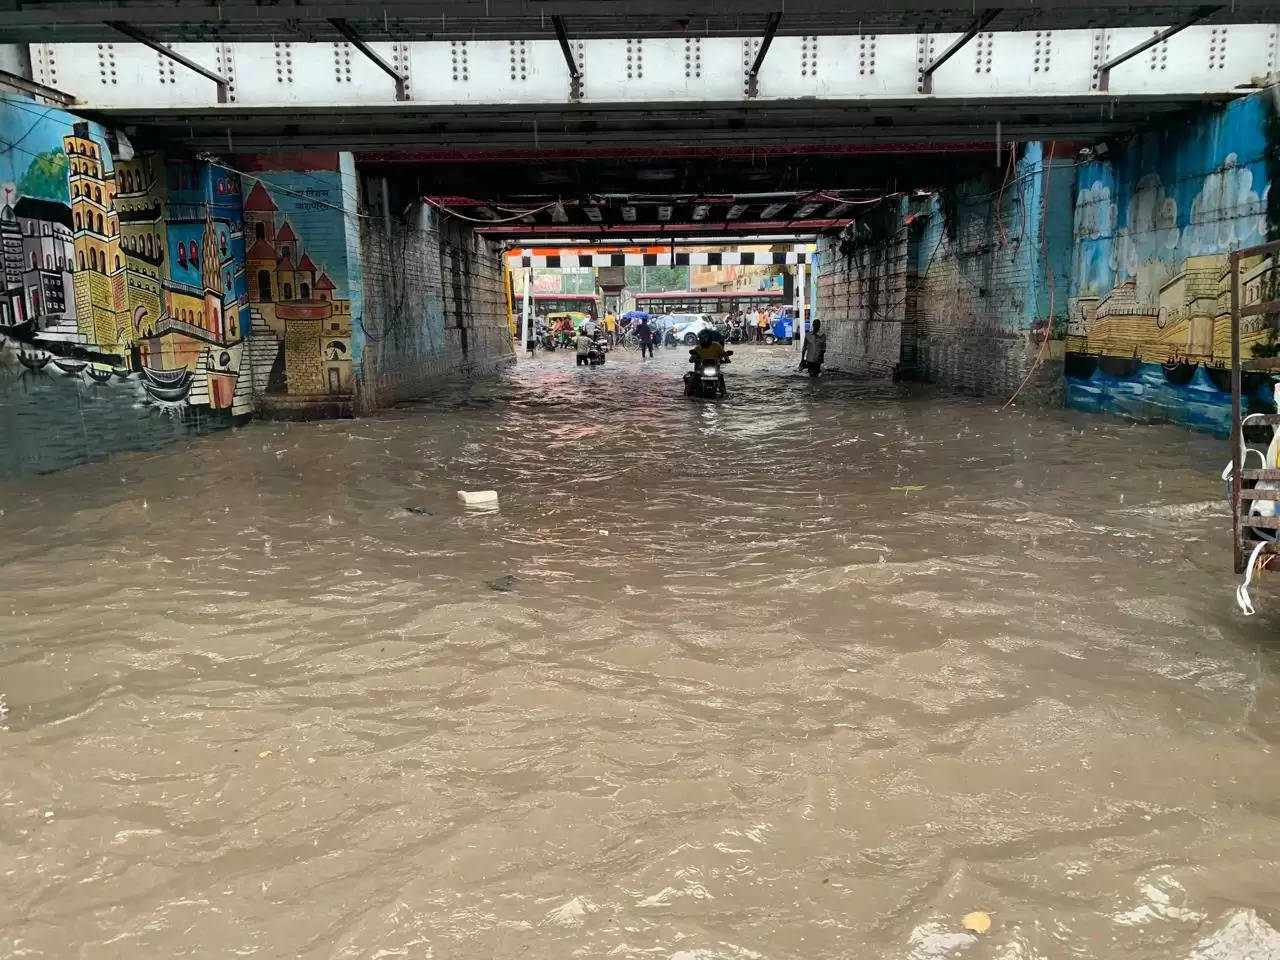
611 328
708 350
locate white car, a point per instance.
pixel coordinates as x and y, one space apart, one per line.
687 326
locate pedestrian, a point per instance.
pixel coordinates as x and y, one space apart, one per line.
762 324
645 334
584 344
815 350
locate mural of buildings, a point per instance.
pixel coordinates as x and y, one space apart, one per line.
1149 333
295 302
124 269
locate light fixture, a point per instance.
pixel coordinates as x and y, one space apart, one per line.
772 210
735 211
807 210
629 213
664 211
593 213
701 210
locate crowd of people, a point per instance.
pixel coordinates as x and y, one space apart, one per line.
753 324
743 326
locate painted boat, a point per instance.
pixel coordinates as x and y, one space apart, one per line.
21 331
1122 368
170 392
70 367
1179 374
1250 380
166 378
33 361
1081 366
98 376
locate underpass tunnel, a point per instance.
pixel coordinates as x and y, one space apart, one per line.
935 262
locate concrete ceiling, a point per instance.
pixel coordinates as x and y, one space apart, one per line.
578 131
66 21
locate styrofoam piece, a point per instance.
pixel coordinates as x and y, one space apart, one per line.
478 498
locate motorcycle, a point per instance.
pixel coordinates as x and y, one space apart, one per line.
669 339
599 347
706 380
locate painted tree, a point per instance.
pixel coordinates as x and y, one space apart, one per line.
46 177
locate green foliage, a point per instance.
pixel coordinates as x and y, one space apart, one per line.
46 177
656 279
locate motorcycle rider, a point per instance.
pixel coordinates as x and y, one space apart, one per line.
708 350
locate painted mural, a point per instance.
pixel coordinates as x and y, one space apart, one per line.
122 269
299 304
1149 333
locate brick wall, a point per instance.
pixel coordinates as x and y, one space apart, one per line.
433 306
862 292
991 269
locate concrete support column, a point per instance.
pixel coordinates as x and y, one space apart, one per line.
528 304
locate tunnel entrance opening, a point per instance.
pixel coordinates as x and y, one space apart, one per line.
729 235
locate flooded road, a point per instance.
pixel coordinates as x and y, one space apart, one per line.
809 673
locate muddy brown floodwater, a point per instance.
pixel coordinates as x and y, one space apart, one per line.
809 673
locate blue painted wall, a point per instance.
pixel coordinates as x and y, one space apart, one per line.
1153 224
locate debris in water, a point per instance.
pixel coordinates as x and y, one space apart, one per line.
264 754
979 921
910 488
477 498
420 511
504 584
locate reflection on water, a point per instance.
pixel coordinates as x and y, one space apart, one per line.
812 672
50 421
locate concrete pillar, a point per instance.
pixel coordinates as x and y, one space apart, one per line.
528 304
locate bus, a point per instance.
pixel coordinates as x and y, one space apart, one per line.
717 303
548 303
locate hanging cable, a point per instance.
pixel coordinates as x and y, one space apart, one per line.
1048 270
462 216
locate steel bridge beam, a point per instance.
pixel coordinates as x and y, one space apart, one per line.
770 30
133 33
978 25
353 38
1104 71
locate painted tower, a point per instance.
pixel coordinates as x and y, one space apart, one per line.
99 278
139 205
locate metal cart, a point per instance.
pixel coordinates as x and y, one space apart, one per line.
1244 527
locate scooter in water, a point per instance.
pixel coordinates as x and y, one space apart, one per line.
706 380
595 356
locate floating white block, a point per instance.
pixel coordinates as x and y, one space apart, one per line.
478 498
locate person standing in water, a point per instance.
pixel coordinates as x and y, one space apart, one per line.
815 350
646 336
584 344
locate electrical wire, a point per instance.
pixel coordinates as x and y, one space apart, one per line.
1047 164
462 216
1008 172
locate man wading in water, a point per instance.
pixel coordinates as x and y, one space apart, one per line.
815 349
